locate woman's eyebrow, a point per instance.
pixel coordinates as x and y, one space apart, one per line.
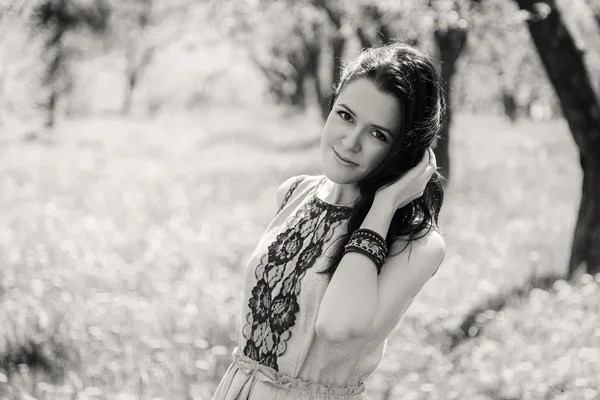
389 132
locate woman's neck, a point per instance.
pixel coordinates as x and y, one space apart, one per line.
342 194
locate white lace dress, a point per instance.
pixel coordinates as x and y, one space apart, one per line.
279 356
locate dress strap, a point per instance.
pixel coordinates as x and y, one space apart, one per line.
290 191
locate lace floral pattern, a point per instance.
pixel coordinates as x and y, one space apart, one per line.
296 249
291 190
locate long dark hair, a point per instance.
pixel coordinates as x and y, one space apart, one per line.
408 74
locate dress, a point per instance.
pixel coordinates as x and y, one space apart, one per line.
279 355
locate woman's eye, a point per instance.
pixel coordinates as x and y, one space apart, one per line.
345 115
380 136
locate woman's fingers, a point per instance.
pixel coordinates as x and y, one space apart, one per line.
431 165
432 159
426 167
422 166
423 163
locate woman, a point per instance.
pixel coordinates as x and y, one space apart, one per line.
349 250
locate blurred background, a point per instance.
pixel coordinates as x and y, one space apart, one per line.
142 141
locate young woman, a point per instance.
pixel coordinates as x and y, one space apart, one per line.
349 250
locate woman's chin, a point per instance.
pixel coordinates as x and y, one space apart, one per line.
339 175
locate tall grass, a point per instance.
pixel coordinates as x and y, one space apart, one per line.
123 245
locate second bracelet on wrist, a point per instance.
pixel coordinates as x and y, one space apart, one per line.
370 244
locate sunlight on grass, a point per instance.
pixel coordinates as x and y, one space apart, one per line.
124 243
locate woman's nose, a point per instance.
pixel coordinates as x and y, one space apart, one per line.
351 141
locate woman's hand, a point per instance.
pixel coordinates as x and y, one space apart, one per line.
410 186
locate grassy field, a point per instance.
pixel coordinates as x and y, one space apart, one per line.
123 245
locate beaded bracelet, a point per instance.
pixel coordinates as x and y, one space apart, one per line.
367 249
370 244
368 233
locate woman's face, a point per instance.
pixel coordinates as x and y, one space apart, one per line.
360 129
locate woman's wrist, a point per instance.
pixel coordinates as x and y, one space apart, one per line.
378 219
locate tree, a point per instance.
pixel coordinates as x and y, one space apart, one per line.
337 42
370 23
451 26
19 52
57 18
284 40
595 8
138 56
143 28
565 68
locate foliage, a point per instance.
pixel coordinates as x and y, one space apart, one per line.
135 243
221 38
21 50
71 14
141 29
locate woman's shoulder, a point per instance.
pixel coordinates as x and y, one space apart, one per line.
428 245
294 183
430 238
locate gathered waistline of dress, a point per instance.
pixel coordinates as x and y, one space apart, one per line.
268 374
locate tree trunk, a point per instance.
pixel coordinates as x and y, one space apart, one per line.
363 38
2 83
54 50
585 253
384 33
372 15
129 89
337 49
298 97
451 43
566 70
595 8
136 69
313 57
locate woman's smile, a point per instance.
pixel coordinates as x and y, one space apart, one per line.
343 161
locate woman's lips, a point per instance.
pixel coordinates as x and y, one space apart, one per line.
343 161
